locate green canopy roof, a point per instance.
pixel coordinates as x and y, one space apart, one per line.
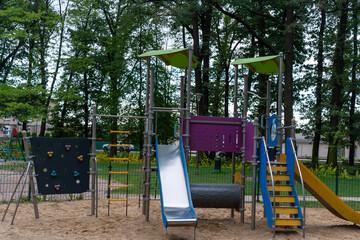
265 65
174 57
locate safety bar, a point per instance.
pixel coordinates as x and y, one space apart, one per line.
159 109
262 121
272 182
118 116
302 183
175 130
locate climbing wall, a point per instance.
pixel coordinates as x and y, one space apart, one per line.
61 164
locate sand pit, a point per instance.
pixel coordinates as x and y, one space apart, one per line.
71 220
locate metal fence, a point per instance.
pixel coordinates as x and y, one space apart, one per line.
343 185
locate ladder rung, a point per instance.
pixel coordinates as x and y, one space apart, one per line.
111 131
118 186
117 200
119 145
288 222
110 172
278 163
275 168
120 159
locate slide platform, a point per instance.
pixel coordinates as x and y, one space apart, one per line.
325 196
176 204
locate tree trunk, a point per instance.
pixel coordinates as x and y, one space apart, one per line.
61 127
205 51
43 76
289 59
337 85
195 35
354 88
318 91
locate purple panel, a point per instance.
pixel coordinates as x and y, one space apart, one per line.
215 136
249 141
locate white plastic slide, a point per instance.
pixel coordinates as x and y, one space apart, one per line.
176 204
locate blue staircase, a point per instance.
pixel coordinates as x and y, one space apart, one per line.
277 178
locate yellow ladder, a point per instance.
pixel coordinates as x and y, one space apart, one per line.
112 186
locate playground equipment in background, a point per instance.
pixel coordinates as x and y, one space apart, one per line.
62 166
11 150
126 185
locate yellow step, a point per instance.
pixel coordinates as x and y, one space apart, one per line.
117 200
276 168
283 199
278 177
286 210
118 186
288 222
281 188
119 145
110 172
112 131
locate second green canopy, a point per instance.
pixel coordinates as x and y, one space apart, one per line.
265 65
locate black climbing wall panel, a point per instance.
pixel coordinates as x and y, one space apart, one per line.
61 164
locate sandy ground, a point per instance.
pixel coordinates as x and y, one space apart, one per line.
72 220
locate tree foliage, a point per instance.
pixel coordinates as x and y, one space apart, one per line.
83 53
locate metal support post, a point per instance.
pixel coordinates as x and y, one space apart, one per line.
243 173
233 155
279 107
149 145
188 117
182 89
145 148
31 175
94 195
254 168
268 99
293 126
198 157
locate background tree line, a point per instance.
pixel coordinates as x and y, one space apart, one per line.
81 53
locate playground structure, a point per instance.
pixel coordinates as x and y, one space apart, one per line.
11 150
197 133
200 133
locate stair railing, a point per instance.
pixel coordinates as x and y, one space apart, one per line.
272 183
302 183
